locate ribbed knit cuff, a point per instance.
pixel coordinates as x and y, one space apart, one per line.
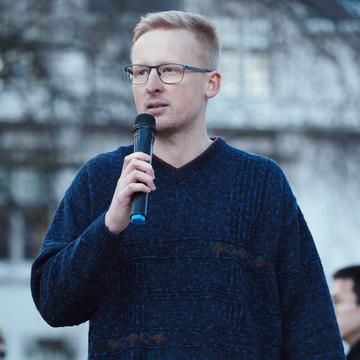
99 239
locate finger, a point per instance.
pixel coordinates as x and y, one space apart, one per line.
136 155
139 176
141 165
135 188
123 198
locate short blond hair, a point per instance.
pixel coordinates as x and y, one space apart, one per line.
205 32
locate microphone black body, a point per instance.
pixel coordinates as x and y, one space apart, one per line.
143 132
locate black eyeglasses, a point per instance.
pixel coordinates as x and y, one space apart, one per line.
168 73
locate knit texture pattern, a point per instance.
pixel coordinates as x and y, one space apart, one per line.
224 268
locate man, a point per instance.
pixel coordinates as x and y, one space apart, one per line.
2 346
224 268
346 298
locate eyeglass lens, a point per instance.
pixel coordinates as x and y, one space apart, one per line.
168 73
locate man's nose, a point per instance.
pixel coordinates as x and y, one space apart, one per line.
154 83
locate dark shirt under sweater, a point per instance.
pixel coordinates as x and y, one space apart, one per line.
225 267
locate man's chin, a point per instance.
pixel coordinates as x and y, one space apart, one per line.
165 129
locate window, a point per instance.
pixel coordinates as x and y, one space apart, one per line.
112 6
230 69
4 235
256 75
4 222
256 33
24 203
54 349
27 186
228 30
256 69
4 184
36 223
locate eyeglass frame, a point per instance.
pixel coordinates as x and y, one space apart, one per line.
150 67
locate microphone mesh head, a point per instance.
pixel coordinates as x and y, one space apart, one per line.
145 119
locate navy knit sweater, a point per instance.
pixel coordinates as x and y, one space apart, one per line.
225 267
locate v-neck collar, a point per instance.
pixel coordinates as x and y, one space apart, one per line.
210 151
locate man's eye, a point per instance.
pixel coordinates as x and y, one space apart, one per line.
169 69
140 72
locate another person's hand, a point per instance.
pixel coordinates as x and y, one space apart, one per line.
137 176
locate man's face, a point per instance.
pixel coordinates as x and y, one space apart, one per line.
176 107
346 309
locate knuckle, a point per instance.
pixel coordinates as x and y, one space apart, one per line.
131 165
137 174
130 178
127 158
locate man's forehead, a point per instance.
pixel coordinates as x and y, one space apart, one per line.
158 41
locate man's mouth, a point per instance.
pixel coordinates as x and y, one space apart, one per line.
156 105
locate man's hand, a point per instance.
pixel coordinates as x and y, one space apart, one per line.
137 175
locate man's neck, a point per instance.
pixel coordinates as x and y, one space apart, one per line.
178 150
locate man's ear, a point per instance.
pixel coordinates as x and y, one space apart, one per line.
213 84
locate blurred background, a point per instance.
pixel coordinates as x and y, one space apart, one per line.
291 91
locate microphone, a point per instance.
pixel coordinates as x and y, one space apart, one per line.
143 132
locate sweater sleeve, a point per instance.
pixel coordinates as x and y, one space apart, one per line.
66 277
309 327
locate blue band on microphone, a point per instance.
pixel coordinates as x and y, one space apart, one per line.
137 219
